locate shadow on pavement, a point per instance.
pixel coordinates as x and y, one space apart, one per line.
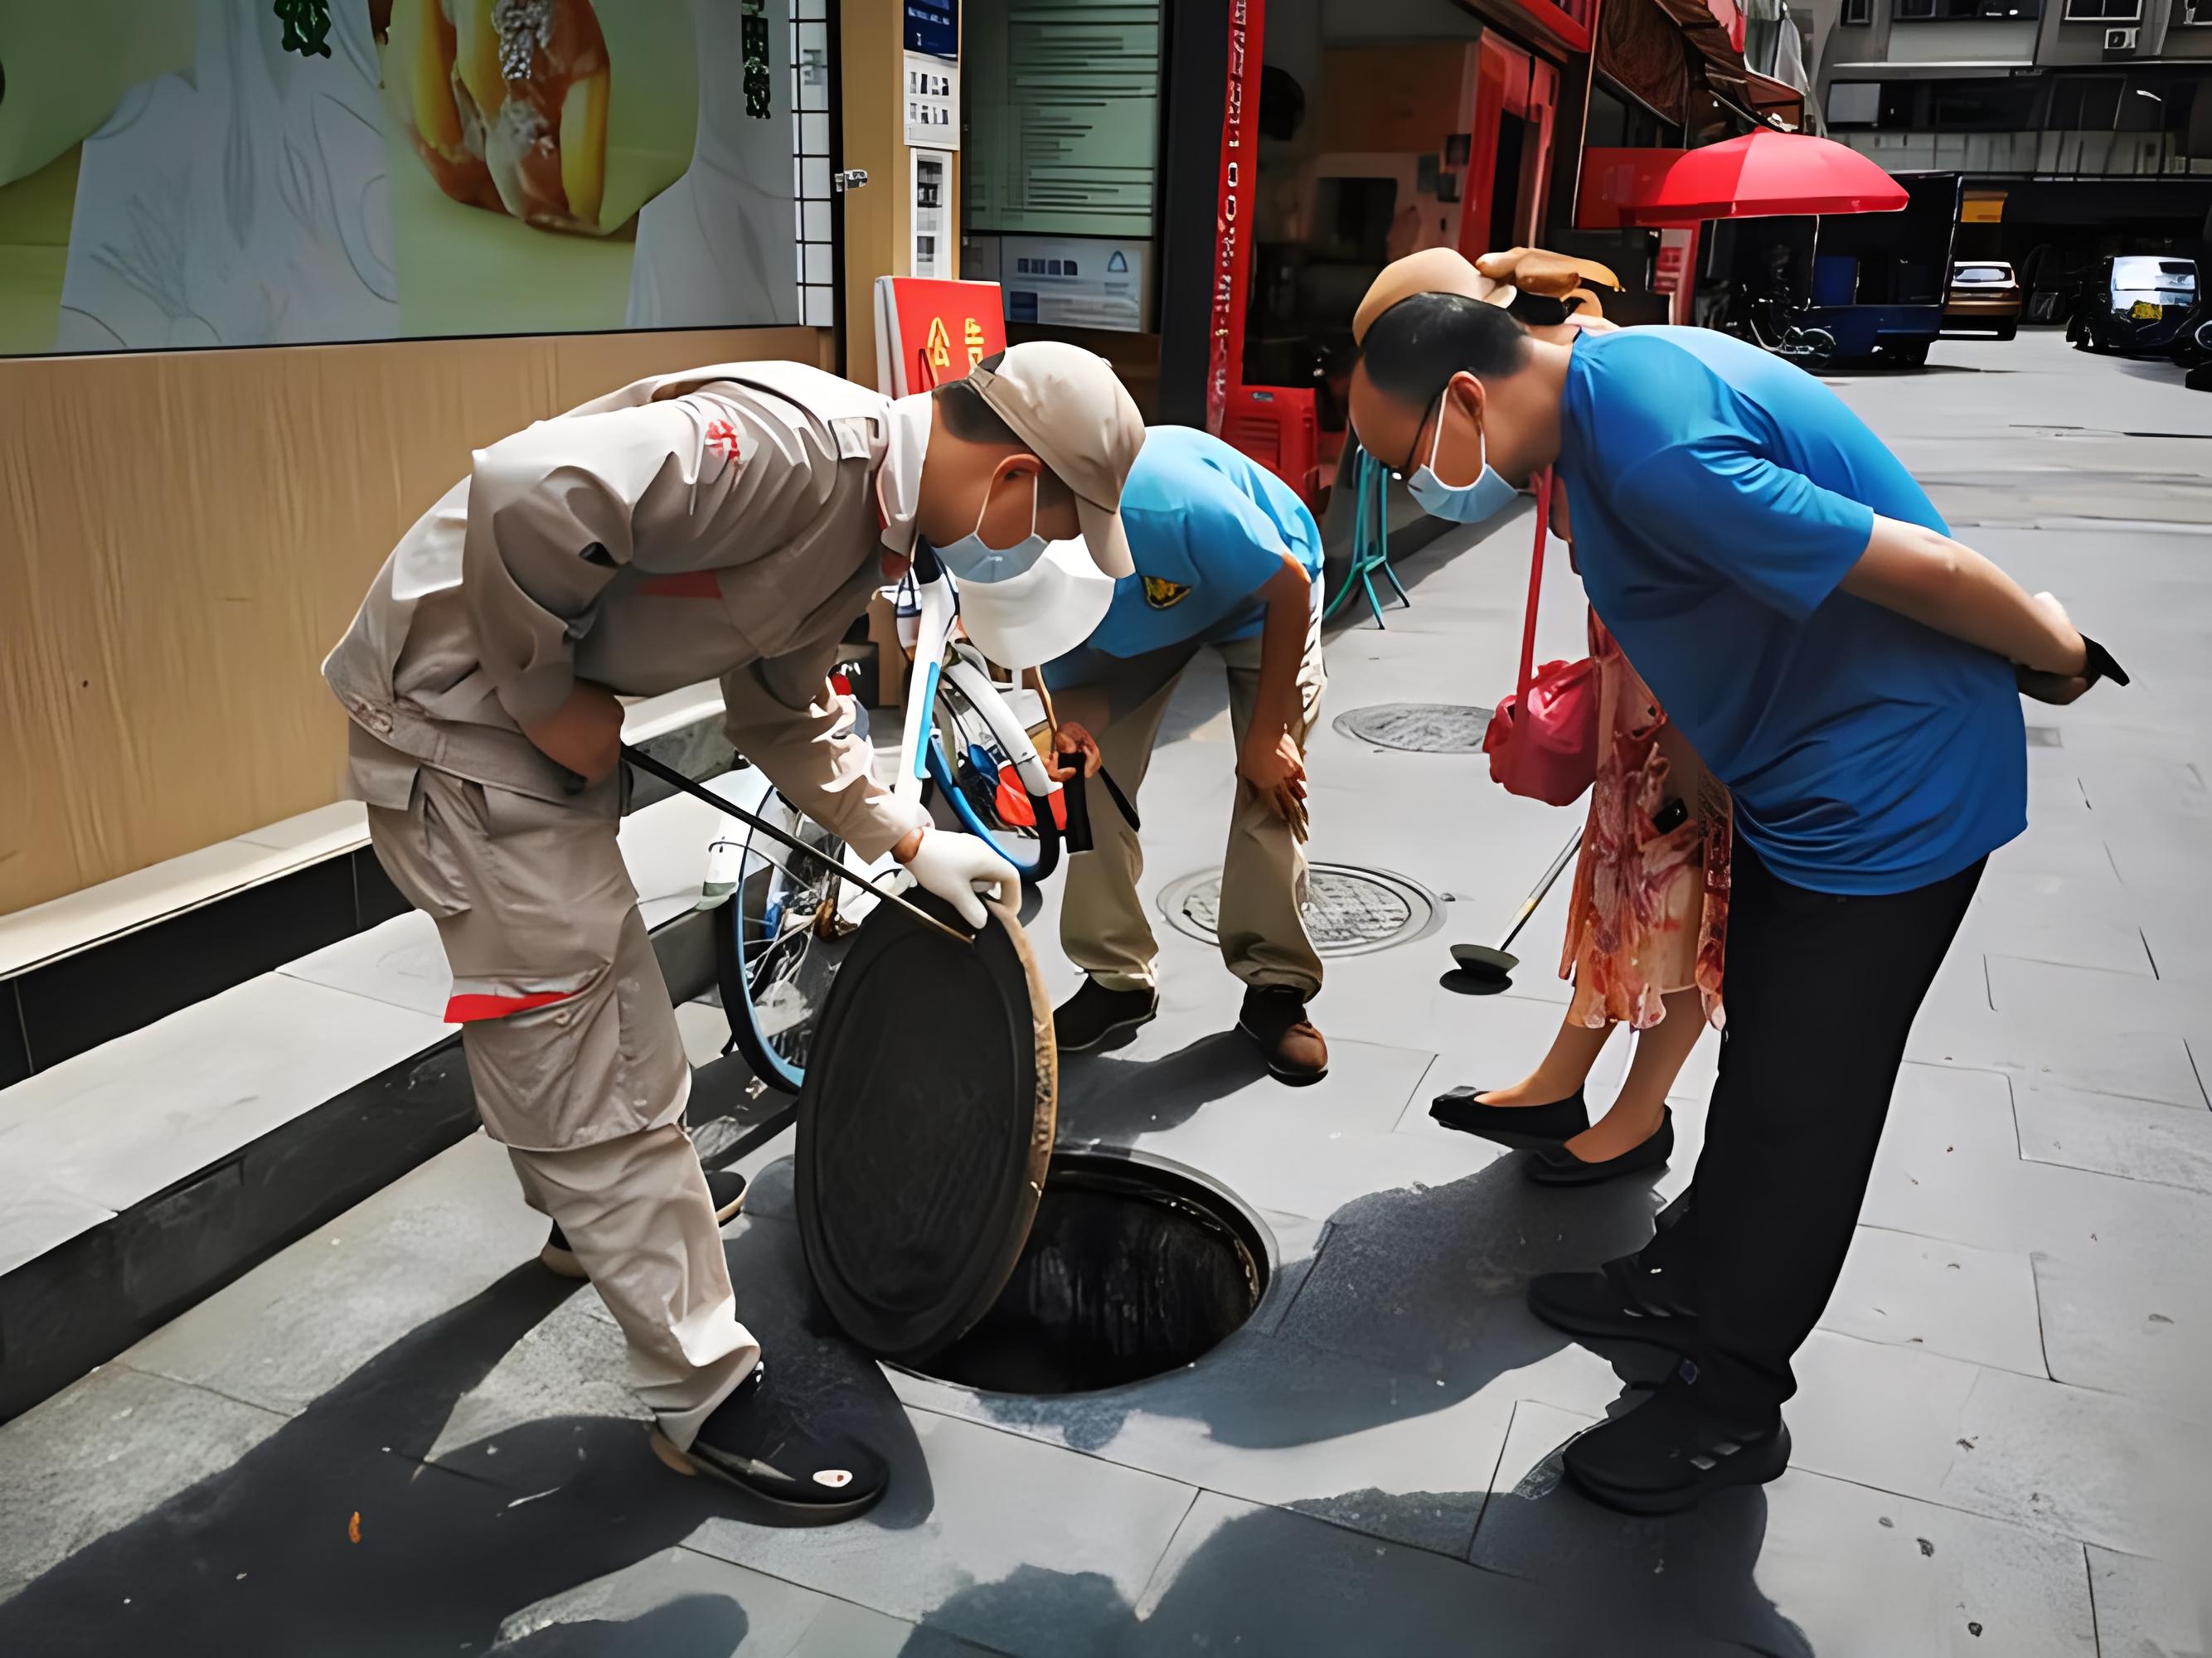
1263 1581
263 1557
1106 1098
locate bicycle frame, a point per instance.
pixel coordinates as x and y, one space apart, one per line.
936 658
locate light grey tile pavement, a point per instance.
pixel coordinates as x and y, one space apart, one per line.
116 1125
98 1456
1810 1564
2146 1609
1005 1509
2001 1422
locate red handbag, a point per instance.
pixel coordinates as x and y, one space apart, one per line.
1542 740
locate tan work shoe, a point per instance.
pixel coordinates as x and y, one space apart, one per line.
1274 1016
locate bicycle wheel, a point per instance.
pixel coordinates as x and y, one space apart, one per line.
779 942
973 771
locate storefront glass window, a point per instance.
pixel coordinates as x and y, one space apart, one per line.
1364 157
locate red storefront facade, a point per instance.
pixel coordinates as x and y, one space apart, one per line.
1330 137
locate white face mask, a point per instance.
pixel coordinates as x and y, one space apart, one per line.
972 562
1459 503
1038 617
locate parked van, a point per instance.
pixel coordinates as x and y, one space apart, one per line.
2136 303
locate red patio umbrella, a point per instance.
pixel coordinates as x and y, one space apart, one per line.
1762 174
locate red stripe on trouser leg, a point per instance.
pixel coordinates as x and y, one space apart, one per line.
467 1010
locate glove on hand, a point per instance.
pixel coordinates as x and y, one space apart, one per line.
953 865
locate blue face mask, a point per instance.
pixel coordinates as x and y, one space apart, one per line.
1459 503
970 559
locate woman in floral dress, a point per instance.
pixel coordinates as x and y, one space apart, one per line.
1645 931
1643 944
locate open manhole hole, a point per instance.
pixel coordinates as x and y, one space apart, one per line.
1349 911
1132 1268
1417 727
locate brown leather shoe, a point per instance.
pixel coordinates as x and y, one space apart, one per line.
1274 1016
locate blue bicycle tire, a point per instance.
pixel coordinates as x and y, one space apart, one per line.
746 948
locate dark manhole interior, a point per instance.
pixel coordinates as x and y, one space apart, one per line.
1132 1270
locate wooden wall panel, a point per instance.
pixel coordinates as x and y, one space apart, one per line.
183 536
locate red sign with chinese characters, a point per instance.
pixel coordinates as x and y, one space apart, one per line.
935 332
1232 230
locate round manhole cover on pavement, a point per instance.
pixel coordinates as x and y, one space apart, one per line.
1348 911
1419 727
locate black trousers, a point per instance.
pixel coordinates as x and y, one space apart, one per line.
1820 993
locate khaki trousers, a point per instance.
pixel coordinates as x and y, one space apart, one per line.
577 1064
1103 927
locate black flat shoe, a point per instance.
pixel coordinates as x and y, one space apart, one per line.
1554 1165
1667 1454
800 1477
726 1188
1521 1127
1622 1301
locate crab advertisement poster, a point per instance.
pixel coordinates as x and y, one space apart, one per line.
186 173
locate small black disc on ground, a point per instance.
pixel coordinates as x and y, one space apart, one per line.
1417 727
925 1125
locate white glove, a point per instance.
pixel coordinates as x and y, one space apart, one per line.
954 866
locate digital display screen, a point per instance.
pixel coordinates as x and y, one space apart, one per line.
934 26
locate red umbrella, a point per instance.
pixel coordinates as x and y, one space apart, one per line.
1764 174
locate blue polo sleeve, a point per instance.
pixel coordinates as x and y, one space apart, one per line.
1714 500
1685 466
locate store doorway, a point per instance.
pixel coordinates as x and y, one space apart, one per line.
1510 165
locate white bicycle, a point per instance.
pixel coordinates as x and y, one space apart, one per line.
784 921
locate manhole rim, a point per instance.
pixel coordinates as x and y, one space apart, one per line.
1231 1209
1176 892
1480 717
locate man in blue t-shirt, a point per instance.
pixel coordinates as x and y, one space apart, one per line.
1852 675
1228 557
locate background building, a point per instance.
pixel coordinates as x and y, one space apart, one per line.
2084 127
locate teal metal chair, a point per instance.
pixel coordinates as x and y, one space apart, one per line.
1370 541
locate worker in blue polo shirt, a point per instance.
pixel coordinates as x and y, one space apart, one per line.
1227 558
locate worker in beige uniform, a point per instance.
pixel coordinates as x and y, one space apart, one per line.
728 522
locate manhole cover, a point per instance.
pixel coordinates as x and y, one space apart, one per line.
1348 911
1421 727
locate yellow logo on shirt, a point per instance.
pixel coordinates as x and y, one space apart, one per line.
1163 595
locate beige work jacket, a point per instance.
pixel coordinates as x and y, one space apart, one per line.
720 524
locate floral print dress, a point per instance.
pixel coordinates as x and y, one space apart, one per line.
1649 911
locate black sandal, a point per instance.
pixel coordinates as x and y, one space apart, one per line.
801 1479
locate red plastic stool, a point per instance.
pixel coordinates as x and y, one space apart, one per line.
1278 427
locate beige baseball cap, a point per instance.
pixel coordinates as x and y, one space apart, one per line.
1067 404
